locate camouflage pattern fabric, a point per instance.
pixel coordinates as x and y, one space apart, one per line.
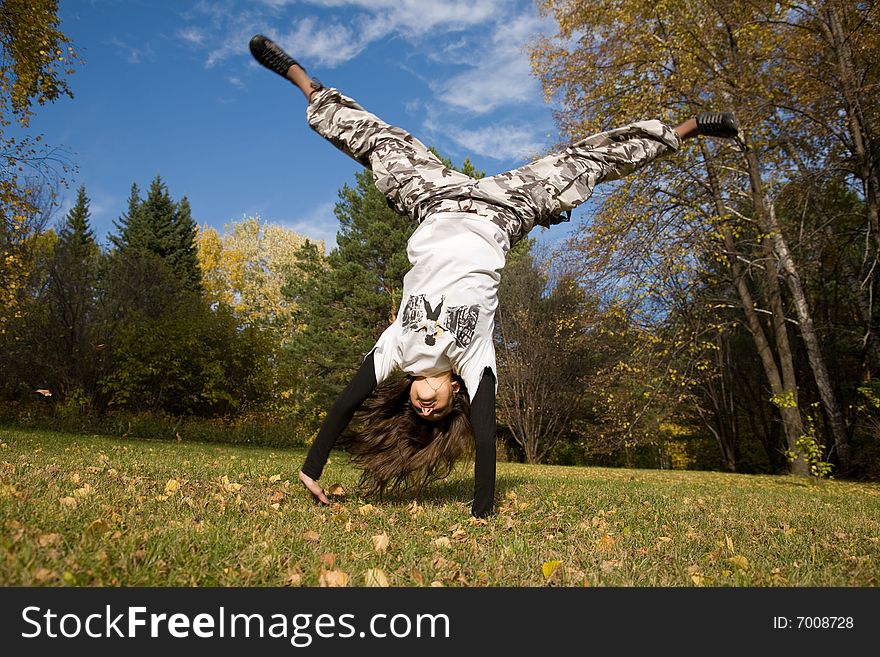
418 184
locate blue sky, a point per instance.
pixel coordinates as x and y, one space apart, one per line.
169 88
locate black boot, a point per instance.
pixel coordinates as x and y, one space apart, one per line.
717 124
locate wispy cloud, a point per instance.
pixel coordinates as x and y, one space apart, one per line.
133 54
503 142
318 224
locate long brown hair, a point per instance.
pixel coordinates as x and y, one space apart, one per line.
399 450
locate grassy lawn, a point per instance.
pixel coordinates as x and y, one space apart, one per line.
95 511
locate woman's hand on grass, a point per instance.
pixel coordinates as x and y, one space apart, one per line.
313 487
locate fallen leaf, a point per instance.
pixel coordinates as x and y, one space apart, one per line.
443 541
311 535
293 579
85 491
549 567
414 508
366 509
274 478
328 559
739 561
48 539
172 486
729 543
44 574
663 539
604 544
68 502
335 490
380 542
375 577
333 578
99 526
437 583
698 579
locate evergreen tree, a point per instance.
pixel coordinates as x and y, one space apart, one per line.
157 227
76 230
71 303
184 251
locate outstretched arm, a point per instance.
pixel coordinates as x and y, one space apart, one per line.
483 423
338 417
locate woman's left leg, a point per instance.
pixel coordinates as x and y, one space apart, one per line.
540 192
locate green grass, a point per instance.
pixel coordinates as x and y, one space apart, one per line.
95 511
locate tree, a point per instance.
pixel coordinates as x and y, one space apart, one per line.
346 299
543 353
689 57
247 269
71 298
35 58
157 227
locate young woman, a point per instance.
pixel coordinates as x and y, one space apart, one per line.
412 429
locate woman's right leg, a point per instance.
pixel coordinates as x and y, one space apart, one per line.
409 175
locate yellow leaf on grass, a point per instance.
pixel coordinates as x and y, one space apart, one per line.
335 490
549 567
739 561
229 486
604 544
729 543
85 491
311 535
99 526
274 478
366 509
380 542
375 577
68 502
698 579
333 578
443 541
172 486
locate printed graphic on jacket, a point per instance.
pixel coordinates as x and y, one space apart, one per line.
460 321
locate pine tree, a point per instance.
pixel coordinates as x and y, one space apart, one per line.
71 296
76 229
184 251
157 227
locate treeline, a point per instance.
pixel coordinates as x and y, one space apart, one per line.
748 272
717 312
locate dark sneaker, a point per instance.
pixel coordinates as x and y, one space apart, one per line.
718 124
270 55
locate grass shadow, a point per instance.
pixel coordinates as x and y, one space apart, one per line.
451 490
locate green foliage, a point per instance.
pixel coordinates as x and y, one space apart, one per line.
189 360
811 451
157 226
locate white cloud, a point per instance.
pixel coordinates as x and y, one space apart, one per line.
498 142
318 224
193 35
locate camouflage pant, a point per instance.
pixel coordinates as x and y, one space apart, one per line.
418 184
